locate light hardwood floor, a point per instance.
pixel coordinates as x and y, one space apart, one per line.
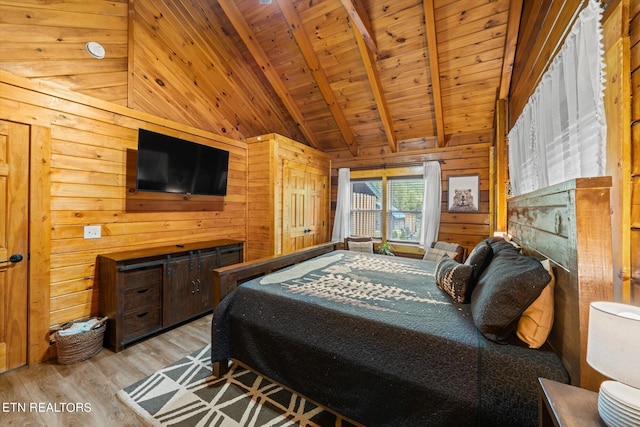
93 383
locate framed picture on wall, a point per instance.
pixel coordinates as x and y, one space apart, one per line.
464 195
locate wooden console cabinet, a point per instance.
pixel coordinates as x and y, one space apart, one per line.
146 291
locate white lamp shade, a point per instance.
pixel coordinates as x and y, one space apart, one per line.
613 346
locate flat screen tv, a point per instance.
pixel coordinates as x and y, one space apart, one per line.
174 165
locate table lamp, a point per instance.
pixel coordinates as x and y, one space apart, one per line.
613 349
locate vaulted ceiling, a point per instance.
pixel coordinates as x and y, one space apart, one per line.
383 75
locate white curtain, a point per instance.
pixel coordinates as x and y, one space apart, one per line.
561 133
341 223
431 203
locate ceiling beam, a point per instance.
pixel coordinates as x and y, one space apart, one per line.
374 78
378 94
313 62
434 69
360 19
513 27
237 20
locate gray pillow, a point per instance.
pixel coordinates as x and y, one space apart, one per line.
453 278
509 284
479 259
498 244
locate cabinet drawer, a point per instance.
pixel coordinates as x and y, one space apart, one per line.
140 321
144 276
142 295
228 258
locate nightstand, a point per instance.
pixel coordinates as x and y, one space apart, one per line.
564 405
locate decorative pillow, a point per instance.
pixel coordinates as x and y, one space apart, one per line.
505 289
479 259
494 239
515 245
451 247
446 246
453 278
500 245
361 246
536 322
434 254
509 238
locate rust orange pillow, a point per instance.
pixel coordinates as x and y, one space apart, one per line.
536 321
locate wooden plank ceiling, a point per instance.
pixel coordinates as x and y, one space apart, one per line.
371 75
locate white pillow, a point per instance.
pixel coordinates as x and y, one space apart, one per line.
361 246
434 254
446 246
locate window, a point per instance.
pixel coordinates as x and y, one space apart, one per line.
387 208
404 209
366 208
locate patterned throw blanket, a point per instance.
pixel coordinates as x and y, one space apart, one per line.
373 338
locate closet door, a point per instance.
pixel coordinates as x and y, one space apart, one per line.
294 212
317 213
305 195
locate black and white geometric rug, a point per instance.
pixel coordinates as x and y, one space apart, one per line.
185 394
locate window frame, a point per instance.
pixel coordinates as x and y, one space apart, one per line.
389 211
376 213
384 175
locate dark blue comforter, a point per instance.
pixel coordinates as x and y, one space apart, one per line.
373 338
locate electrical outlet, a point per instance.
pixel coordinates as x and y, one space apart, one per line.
92 231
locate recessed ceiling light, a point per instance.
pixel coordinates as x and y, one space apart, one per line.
95 49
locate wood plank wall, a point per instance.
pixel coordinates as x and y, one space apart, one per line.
466 229
45 41
185 66
88 141
634 15
178 62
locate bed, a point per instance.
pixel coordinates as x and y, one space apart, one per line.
375 339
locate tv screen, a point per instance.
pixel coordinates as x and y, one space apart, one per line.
174 165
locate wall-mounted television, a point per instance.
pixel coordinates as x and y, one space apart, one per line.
173 165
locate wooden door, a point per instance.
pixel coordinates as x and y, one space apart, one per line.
305 208
14 219
294 209
316 208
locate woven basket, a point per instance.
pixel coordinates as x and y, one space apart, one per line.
77 347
